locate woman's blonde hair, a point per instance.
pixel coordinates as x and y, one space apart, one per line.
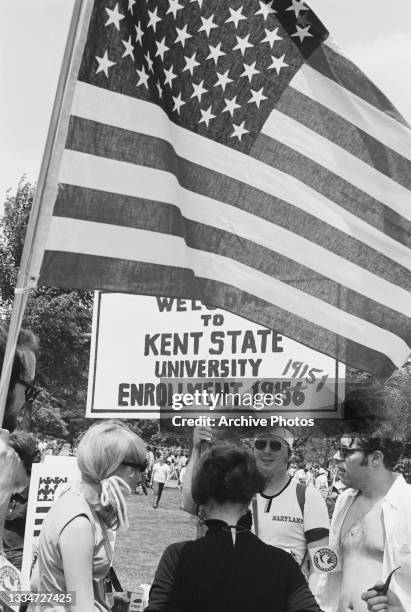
101 451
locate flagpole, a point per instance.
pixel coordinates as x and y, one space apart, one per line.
26 281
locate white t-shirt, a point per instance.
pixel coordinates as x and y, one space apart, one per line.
161 472
281 523
299 476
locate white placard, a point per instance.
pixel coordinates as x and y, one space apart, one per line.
143 346
45 478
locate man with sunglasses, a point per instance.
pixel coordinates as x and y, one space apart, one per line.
285 514
371 525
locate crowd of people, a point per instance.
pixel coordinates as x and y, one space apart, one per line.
267 522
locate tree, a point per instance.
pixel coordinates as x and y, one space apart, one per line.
62 320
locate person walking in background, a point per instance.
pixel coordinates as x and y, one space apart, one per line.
150 463
74 552
229 569
299 474
180 484
321 482
159 478
309 478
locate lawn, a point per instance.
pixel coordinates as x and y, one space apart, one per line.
138 550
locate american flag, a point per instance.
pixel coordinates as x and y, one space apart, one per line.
45 497
227 151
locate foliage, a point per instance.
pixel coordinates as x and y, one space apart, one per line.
62 320
12 232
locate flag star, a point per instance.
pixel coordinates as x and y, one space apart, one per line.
297 6
143 77
223 80
114 17
230 105
178 103
249 71
161 48
170 76
200 2
206 116
139 33
131 3
190 63
278 63
198 91
104 64
215 53
129 48
174 7
159 89
235 16
208 25
302 33
149 61
239 130
154 19
242 44
257 97
266 8
182 35
271 37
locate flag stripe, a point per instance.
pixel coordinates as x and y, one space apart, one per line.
335 159
120 111
330 61
138 245
153 279
340 131
141 150
354 109
97 205
343 202
154 216
120 177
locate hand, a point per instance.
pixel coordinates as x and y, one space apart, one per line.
202 434
377 602
120 597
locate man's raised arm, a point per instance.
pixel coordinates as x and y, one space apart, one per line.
202 437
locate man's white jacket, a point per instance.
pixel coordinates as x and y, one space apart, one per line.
396 510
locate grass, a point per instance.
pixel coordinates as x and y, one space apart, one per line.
138 551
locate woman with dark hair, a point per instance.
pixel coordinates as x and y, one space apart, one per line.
229 569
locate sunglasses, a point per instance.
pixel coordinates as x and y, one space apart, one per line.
31 392
275 445
345 451
138 466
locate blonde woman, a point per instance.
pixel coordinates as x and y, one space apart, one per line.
74 550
